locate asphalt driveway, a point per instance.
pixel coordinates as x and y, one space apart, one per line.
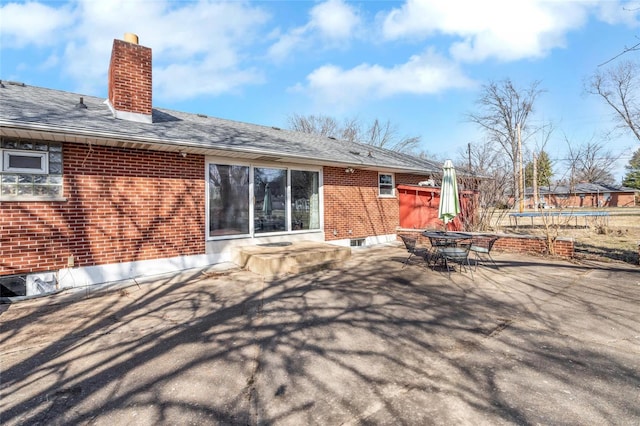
536 341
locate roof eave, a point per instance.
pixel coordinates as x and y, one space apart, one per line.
29 130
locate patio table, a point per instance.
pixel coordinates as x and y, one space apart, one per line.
448 247
441 238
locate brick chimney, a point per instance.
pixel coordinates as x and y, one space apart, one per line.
130 80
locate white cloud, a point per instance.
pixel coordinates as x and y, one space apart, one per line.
191 80
334 19
192 34
614 13
503 29
198 47
209 47
287 43
33 23
428 73
330 23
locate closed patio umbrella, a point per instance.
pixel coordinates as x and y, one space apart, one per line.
449 206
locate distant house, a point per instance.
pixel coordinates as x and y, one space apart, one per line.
583 195
95 190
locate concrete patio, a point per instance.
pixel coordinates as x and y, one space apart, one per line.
537 341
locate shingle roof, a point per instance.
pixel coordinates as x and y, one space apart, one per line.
42 112
581 188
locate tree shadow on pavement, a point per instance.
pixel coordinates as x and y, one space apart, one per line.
370 342
589 251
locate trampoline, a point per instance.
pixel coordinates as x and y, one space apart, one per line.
555 216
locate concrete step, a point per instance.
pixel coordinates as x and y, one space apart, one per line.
295 258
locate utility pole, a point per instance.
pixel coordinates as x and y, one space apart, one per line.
469 153
535 181
521 175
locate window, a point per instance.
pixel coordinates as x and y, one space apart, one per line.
228 200
385 185
24 161
30 169
13 285
245 200
357 242
305 201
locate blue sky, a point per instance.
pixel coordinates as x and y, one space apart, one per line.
419 64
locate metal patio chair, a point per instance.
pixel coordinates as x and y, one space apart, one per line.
458 254
411 246
481 246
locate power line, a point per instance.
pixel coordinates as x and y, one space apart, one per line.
624 157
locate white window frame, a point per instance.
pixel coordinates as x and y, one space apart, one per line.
393 186
44 161
226 162
252 165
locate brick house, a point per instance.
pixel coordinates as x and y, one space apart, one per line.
584 194
95 191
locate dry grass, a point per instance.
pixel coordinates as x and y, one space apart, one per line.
616 238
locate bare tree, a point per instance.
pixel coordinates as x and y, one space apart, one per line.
377 133
385 135
315 124
502 108
619 87
590 162
435 157
489 174
626 49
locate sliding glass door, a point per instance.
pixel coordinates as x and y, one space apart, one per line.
246 200
305 202
270 200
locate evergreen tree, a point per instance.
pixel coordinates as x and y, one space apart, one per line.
528 174
632 177
544 171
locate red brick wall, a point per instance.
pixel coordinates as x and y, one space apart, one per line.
130 78
618 199
351 203
622 200
532 244
122 205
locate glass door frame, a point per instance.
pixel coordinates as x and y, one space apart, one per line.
288 167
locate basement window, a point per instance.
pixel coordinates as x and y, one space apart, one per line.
357 242
13 286
27 285
30 170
